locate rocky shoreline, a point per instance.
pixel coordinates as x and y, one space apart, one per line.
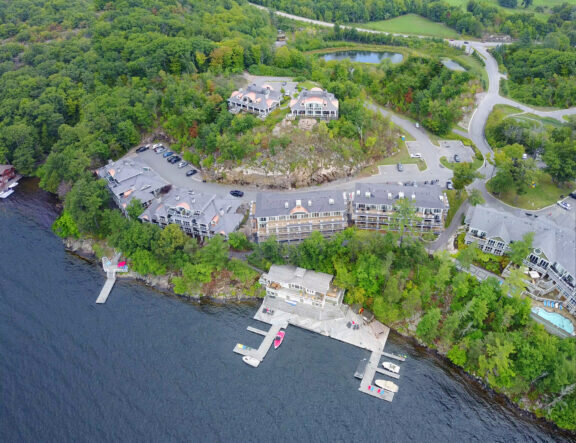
84 249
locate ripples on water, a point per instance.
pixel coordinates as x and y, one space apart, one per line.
151 367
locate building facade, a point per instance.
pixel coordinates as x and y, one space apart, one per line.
293 217
553 254
260 100
199 215
315 103
374 207
298 285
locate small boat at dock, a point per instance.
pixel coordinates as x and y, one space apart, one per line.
13 185
7 193
388 385
279 338
391 367
251 361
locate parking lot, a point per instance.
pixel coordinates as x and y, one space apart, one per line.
450 148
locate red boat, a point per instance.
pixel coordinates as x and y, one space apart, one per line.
278 339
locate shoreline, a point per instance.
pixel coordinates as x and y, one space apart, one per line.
162 285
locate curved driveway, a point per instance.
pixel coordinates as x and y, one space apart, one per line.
430 152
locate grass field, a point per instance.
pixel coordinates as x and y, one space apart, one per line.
544 194
546 4
412 24
533 119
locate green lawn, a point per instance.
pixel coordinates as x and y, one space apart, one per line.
455 198
450 165
412 24
546 4
403 156
544 194
307 84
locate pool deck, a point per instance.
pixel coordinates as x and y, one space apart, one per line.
332 321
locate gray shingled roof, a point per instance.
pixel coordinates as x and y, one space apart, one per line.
204 208
425 196
314 95
260 97
557 243
272 204
317 281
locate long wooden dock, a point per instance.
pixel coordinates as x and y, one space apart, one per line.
394 356
388 373
107 288
367 384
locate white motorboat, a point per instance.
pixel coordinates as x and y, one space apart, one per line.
6 193
388 385
13 185
254 362
391 367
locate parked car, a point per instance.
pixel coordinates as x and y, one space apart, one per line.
416 155
167 154
400 167
572 194
449 185
191 172
174 159
143 148
159 150
236 193
182 164
456 158
564 205
524 156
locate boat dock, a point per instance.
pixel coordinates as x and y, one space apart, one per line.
264 347
111 268
334 322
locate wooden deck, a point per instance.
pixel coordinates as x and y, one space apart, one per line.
266 344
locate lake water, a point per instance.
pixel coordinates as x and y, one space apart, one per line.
151 367
364 56
452 65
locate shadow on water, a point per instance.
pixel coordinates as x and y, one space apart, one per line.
148 366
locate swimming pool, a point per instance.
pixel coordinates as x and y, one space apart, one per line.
556 319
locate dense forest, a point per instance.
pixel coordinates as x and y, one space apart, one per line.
481 329
475 19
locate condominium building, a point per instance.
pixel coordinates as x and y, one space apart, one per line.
200 215
374 206
553 255
129 178
260 100
293 217
299 285
315 103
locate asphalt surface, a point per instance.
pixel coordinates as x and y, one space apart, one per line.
430 153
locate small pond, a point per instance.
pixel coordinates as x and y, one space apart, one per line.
364 56
452 65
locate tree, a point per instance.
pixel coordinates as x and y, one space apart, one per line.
404 217
475 197
215 253
427 329
467 256
527 3
64 226
464 174
134 209
508 3
519 250
560 159
85 202
238 241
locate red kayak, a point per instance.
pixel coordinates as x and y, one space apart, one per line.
278 339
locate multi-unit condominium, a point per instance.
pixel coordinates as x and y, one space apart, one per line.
299 285
255 99
315 103
130 178
374 207
553 255
292 217
200 215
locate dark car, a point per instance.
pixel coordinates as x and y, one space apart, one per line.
236 193
167 154
175 159
457 158
400 167
572 194
143 148
191 172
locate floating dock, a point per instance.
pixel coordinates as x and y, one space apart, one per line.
111 268
334 322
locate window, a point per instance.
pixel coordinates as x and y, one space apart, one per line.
491 242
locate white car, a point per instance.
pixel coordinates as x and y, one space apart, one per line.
564 205
182 164
417 155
